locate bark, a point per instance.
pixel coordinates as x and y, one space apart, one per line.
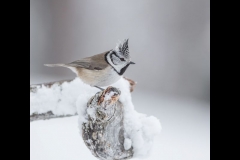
46 116
103 133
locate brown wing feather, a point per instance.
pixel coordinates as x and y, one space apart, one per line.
96 62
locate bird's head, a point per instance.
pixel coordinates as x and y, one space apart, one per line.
119 57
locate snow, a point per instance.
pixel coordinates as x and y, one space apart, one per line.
109 95
92 112
51 99
127 143
139 128
185 134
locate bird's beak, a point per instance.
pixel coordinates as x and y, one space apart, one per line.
131 62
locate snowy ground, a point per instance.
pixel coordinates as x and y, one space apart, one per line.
185 131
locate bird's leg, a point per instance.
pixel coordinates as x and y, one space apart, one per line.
99 88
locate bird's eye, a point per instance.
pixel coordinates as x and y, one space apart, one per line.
122 59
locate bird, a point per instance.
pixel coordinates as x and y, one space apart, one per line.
102 69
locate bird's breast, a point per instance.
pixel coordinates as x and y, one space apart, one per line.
99 78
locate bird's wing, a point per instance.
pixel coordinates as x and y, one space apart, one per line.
96 62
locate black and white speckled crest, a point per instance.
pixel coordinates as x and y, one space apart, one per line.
123 48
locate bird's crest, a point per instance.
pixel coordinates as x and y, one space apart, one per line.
123 48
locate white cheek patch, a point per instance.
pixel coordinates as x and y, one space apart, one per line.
116 60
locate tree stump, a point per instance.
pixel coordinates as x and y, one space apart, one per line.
103 132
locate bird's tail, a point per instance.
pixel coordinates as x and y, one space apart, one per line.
55 65
62 65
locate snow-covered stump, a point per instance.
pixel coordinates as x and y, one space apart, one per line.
103 132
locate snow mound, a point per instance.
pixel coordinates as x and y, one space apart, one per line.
60 99
72 97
